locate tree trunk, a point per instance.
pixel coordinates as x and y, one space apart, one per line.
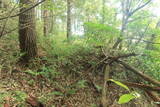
27 32
51 30
1 4
46 23
68 19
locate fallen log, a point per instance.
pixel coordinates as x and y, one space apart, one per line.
142 86
139 73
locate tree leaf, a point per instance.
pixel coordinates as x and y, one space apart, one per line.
126 98
120 84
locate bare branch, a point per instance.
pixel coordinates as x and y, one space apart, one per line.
140 7
23 11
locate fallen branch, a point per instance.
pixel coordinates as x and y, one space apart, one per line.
33 101
124 56
104 100
115 58
154 97
142 86
134 70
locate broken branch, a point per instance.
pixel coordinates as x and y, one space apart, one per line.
142 86
134 70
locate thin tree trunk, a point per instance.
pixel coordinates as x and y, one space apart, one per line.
46 23
127 13
150 46
27 32
103 11
68 19
1 4
52 19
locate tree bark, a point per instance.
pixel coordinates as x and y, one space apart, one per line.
27 32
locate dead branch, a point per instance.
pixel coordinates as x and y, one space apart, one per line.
114 58
142 86
134 70
153 96
104 100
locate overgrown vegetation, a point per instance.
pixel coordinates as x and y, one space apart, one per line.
82 53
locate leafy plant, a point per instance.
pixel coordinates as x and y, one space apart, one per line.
98 33
120 84
58 93
20 96
126 97
3 96
81 84
71 92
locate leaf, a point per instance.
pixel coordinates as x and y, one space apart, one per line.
120 84
71 92
135 94
81 84
58 93
99 88
126 98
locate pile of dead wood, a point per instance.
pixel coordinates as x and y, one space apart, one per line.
151 90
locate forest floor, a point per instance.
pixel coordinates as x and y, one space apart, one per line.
20 87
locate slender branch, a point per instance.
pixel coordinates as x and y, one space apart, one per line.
139 18
123 56
5 23
142 86
146 41
23 11
115 58
140 7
